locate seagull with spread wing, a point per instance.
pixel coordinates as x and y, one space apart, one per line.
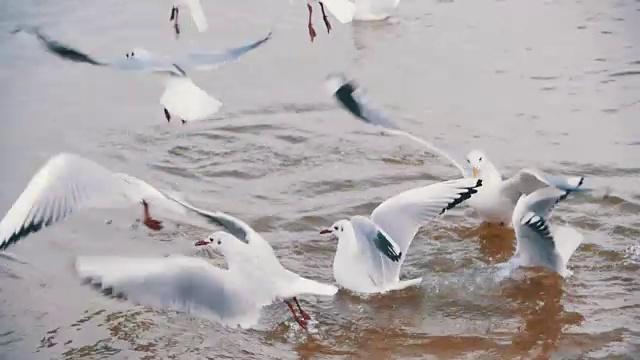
497 198
181 96
371 251
68 183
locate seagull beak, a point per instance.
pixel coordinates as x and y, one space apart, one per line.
475 171
325 231
201 243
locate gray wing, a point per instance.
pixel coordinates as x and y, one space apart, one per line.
68 183
144 61
179 283
209 60
526 181
232 225
382 252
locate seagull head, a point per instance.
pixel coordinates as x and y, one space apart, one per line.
336 229
477 161
221 242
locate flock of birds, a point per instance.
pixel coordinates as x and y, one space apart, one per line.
370 250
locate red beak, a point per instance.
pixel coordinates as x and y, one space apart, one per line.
201 243
325 231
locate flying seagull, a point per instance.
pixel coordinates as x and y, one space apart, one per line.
181 96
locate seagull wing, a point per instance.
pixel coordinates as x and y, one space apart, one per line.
232 225
68 183
348 95
537 244
527 181
141 61
179 283
379 248
402 215
210 60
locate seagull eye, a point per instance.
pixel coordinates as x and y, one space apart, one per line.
219 242
335 228
469 162
480 159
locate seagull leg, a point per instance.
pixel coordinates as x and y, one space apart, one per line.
325 18
148 221
301 322
173 14
176 26
183 121
312 31
302 312
167 115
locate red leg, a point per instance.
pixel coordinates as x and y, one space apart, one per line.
325 18
176 26
302 312
301 322
149 222
312 31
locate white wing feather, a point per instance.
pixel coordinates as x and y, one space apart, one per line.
68 183
402 215
526 181
178 283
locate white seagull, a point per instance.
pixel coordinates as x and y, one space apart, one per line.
254 270
537 242
497 198
343 10
197 15
68 183
181 96
371 252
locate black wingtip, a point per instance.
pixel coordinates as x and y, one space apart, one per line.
463 196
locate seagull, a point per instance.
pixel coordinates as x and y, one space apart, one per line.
232 296
497 198
371 251
260 253
343 10
373 10
537 242
181 96
196 14
68 183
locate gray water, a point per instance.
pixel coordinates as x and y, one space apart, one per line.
546 84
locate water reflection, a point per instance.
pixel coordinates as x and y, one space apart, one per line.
537 300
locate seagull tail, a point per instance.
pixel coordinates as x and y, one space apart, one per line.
303 286
567 241
405 284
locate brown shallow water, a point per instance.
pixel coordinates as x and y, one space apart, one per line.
547 84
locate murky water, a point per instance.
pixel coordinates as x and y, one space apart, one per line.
547 84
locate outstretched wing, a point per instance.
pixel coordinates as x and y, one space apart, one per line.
210 60
68 183
402 215
142 61
526 181
232 225
347 94
178 283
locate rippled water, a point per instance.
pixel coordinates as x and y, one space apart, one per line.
547 84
